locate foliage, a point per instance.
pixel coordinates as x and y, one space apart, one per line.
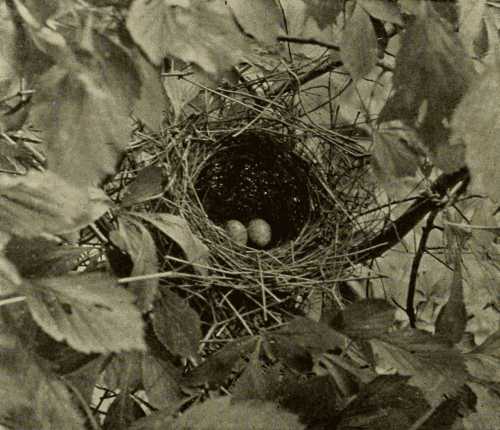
85 268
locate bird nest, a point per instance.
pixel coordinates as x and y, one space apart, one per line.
304 185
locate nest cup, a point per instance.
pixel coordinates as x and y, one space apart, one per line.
258 175
296 178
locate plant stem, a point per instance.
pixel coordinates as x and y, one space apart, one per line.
12 300
412 286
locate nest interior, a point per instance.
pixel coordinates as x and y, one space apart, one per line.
257 175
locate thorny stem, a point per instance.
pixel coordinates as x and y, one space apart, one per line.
410 309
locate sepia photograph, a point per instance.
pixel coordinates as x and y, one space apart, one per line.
249 214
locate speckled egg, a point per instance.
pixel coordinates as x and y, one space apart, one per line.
237 231
259 232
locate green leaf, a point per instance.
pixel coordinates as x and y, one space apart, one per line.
85 377
46 39
147 185
386 403
403 406
365 319
222 415
256 382
177 325
40 257
161 382
491 346
452 318
152 103
431 76
484 228
157 420
324 12
358 44
54 408
384 10
470 22
483 361
181 91
133 238
314 400
44 9
82 120
476 123
261 19
30 208
487 414
114 64
32 398
191 30
63 359
434 366
218 367
288 352
314 336
177 229
124 372
10 278
300 340
20 59
396 155
88 310
122 412
450 413
15 390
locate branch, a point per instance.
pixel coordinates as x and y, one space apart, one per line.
308 41
412 286
398 229
316 72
